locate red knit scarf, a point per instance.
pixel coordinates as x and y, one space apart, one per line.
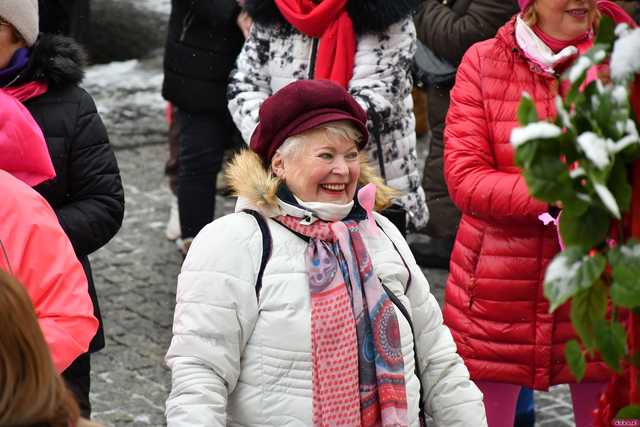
330 22
556 45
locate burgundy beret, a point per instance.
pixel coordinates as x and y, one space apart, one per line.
301 106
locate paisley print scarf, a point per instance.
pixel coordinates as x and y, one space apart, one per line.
358 369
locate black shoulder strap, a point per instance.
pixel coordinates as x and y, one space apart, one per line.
266 246
399 254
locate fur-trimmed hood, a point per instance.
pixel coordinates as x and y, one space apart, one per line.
248 178
57 60
368 16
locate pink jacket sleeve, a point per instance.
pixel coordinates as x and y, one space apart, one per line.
38 253
476 185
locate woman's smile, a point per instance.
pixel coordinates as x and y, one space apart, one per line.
581 13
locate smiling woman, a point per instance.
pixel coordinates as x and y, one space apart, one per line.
562 19
322 164
321 333
493 296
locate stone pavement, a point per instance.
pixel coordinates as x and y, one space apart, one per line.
136 272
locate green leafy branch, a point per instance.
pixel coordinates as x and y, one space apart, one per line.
580 162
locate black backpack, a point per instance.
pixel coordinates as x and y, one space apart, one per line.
266 254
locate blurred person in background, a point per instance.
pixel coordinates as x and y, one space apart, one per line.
32 394
44 72
365 46
66 17
33 246
447 29
494 301
202 45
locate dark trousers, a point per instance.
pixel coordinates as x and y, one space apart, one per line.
78 379
203 138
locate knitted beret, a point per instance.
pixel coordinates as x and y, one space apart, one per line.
301 106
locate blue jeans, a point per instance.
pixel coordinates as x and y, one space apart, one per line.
203 139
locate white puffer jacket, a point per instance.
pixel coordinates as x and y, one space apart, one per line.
239 360
275 56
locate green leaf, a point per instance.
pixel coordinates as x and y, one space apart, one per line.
586 229
575 359
526 153
606 32
603 110
611 342
625 263
631 412
618 183
527 110
548 179
575 207
570 272
587 308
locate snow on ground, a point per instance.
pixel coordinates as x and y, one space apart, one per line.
161 6
128 98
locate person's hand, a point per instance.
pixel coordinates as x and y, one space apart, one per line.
244 23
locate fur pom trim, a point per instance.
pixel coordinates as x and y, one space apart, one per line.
368 16
247 177
58 60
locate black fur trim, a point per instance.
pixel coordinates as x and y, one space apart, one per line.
368 16
58 60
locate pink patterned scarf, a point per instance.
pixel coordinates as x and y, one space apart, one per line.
358 369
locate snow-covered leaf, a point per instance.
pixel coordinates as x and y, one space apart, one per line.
625 60
620 95
608 199
595 148
625 263
563 114
538 130
570 272
580 68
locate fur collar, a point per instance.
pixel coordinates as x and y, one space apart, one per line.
58 60
248 179
368 16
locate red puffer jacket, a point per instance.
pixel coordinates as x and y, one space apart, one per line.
494 305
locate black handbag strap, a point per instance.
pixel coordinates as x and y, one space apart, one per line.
266 246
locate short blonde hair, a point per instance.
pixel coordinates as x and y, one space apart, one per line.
341 129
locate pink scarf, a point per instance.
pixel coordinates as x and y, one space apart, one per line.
358 367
